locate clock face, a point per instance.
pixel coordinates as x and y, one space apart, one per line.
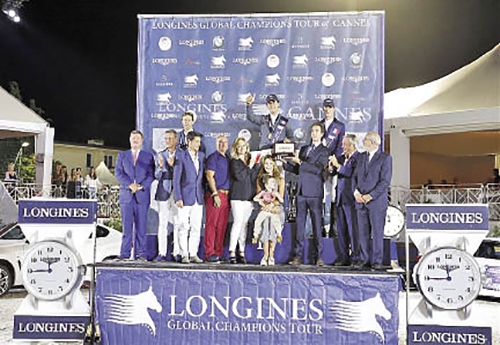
50 270
448 278
394 221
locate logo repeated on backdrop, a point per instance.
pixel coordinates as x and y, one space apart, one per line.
301 56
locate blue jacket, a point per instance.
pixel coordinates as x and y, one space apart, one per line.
142 173
165 178
188 185
333 137
374 178
345 190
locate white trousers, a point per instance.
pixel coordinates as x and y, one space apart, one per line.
189 220
167 213
241 211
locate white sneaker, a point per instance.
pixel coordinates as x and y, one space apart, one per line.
195 259
263 262
270 262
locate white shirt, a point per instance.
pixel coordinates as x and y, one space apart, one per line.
196 162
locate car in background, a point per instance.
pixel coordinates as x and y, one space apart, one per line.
488 258
13 246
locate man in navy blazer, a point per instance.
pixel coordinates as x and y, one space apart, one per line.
274 127
187 126
134 170
347 223
309 165
372 179
188 194
167 210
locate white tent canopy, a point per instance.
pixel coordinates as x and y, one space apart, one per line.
17 120
463 101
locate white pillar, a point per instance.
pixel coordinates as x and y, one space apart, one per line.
400 152
44 154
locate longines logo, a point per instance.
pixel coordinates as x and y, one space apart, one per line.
447 218
448 338
300 78
356 40
218 79
51 327
356 78
191 43
55 212
323 96
273 42
245 61
164 61
191 98
328 60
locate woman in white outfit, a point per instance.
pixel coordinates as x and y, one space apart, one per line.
243 173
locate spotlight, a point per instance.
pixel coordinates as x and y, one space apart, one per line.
12 13
16 19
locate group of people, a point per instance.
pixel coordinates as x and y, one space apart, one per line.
61 178
190 182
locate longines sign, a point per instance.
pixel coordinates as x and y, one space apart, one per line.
438 335
57 211
225 307
447 217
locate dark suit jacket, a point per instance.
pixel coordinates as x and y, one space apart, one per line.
334 135
182 142
345 189
165 179
310 171
374 178
188 185
243 180
264 122
142 173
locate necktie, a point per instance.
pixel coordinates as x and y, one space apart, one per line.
134 155
309 150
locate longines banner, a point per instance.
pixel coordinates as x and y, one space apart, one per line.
447 217
210 64
55 211
224 307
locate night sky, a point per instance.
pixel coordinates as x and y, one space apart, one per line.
78 58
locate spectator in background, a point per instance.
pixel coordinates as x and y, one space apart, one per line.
496 176
92 183
10 178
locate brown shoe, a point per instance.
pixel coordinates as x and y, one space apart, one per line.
320 262
296 261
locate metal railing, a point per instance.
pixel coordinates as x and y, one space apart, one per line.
108 206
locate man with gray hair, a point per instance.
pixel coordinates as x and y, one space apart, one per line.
372 179
347 224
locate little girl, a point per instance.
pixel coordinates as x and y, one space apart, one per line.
268 198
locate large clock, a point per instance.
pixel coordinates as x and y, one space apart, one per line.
51 270
394 221
448 278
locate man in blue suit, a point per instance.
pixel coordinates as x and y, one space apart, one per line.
166 206
332 139
347 223
372 179
188 194
187 126
274 127
309 165
134 170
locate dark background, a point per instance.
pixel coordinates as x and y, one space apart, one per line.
78 58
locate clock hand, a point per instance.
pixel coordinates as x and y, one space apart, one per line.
36 271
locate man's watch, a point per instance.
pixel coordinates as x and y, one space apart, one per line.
214 194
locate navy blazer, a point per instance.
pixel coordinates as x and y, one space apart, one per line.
265 122
165 178
188 185
243 180
345 189
374 178
333 137
142 173
183 145
310 171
